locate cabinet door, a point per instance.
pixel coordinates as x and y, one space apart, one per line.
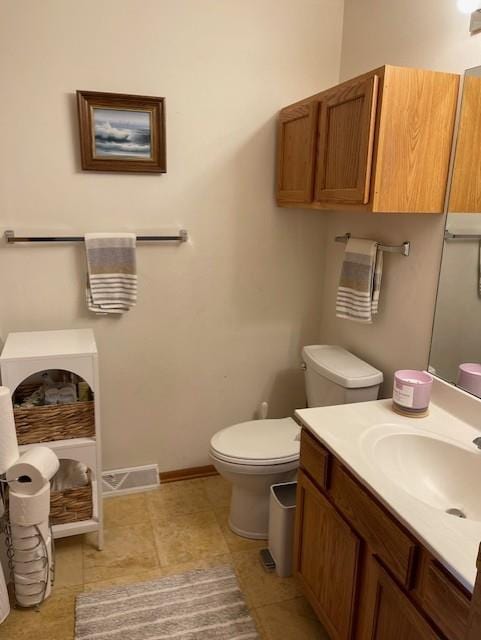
391 614
296 153
465 196
347 122
326 559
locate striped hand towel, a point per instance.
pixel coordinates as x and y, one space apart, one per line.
112 276
360 283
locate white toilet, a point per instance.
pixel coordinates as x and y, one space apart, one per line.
254 455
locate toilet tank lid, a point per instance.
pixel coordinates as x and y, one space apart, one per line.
341 366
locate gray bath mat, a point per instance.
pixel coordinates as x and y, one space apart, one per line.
202 604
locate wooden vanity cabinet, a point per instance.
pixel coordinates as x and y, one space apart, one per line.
443 601
382 143
364 574
391 615
327 555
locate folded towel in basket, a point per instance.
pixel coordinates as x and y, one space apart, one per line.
360 283
112 276
70 475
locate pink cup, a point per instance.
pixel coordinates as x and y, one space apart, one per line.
412 389
469 377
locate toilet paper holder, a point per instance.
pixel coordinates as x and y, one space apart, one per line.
48 566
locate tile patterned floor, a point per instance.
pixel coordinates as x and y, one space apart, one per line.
180 526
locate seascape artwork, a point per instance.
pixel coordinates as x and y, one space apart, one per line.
122 133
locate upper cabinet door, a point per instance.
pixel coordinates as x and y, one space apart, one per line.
465 194
347 121
296 153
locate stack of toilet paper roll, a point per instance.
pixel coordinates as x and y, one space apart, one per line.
8 455
28 478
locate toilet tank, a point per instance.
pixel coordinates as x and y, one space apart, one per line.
336 376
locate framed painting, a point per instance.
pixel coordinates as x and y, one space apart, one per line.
121 132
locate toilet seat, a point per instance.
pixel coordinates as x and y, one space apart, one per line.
258 442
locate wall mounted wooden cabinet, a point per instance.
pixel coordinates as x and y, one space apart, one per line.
365 575
345 142
465 196
297 138
380 142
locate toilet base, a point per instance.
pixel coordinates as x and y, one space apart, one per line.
249 507
252 535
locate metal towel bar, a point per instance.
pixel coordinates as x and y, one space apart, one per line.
403 249
461 236
11 238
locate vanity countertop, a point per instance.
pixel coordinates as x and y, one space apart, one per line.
348 431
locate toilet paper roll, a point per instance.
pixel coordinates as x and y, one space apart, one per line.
20 533
28 544
4 601
33 579
26 568
29 589
29 510
28 601
23 556
8 436
36 576
32 470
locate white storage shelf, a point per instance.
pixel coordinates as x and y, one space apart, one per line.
25 354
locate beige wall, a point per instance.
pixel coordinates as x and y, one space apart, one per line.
220 322
434 35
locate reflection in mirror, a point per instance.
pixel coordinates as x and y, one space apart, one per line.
456 343
465 192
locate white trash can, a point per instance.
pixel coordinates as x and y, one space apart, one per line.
282 509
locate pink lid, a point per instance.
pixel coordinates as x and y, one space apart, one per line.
412 376
474 368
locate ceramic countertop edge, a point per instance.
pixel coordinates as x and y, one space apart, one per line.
343 428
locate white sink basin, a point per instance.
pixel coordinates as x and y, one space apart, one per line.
439 473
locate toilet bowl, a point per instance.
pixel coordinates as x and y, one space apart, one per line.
252 456
256 454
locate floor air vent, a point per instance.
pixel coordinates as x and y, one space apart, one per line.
122 481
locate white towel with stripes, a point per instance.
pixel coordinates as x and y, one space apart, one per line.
360 282
112 274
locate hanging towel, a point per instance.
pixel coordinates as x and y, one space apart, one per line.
112 275
360 283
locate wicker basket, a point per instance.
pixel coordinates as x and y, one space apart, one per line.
71 505
54 422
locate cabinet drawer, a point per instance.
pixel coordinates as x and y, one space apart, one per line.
314 459
386 539
444 602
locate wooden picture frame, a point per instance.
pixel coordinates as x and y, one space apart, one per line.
121 132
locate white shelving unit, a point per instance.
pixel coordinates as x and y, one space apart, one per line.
27 353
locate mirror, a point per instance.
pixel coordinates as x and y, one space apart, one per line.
456 341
